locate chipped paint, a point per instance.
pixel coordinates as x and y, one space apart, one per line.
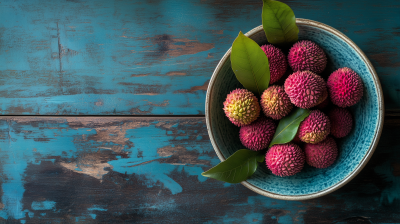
194 89
90 164
99 103
154 167
168 45
175 73
43 205
140 75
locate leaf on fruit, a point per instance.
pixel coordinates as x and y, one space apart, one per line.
288 126
237 168
250 64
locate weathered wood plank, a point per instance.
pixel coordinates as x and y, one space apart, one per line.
154 57
147 170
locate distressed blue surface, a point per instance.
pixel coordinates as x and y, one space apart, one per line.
120 57
129 175
154 57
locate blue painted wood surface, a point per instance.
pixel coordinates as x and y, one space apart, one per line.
121 57
104 57
147 170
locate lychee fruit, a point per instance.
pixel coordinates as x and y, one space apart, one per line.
321 155
314 128
305 89
307 55
341 122
257 135
285 160
277 62
345 87
275 103
241 107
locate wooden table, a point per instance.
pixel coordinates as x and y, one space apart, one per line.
103 112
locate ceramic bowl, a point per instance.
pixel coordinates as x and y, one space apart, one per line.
354 150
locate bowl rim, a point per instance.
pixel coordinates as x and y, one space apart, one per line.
366 157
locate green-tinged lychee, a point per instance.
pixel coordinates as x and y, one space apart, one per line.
314 128
241 107
275 103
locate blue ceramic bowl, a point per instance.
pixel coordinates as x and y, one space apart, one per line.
354 150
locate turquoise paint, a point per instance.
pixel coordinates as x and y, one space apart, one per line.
93 216
153 171
43 205
254 218
285 219
13 187
108 51
15 157
97 208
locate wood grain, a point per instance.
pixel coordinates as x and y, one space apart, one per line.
147 170
83 57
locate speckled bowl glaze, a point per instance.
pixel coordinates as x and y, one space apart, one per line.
354 150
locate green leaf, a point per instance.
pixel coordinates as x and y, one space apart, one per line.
250 64
279 22
237 168
287 127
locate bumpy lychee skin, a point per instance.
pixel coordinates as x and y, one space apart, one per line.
341 122
307 55
345 87
285 160
314 128
275 103
257 135
305 89
277 62
321 155
241 107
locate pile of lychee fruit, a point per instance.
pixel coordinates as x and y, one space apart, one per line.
314 142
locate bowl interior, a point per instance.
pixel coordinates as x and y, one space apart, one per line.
353 149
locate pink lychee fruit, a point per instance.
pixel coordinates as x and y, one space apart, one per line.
285 160
341 122
277 62
345 87
305 89
257 135
241 107
307 55
321 155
